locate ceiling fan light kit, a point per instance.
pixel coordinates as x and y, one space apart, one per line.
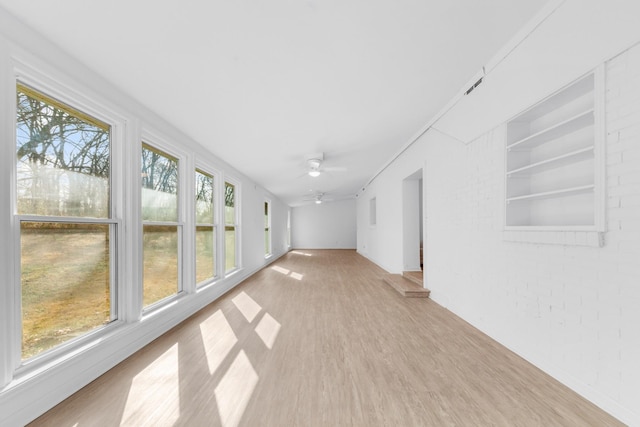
313 163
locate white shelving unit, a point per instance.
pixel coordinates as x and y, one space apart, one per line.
554 168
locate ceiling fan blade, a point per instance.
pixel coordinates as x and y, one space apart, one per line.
334 169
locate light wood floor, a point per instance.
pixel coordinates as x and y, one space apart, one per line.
317 339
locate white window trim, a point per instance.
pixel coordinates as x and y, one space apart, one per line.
216 221
373 211
269 226
238 207
185 236
56 85
32 388
288 228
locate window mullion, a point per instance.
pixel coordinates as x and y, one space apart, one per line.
164 223
113 271
131 287
66 219
186 218
9 319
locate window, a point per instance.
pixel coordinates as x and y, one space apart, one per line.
205 228
230 228
289 228
161 227
67 229
372 211
267 228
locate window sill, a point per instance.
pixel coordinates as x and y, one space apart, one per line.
64 353
232 273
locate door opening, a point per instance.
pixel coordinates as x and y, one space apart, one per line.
412 229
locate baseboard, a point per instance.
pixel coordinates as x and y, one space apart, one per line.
594 396
26 399
388 269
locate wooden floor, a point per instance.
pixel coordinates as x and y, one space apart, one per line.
317 339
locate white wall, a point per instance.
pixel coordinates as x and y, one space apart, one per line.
330 225
571 310
27 392
382 243
253 198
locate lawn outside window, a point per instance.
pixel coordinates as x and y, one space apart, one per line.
205 233
161 229
66 222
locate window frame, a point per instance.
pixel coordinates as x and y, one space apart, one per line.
373 212
268 232
159 143
288 228
199 168
78 98
237 208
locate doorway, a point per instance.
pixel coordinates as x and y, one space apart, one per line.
412 230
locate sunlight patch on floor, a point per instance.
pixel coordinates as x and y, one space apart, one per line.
280 270
218 339
158 382
301 253
235 389
267 330
247 306
286 272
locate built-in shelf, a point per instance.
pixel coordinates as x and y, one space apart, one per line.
553 162
564 192
556 131
553 178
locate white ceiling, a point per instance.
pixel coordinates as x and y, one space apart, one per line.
262 84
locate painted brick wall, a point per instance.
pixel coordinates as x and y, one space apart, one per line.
572 310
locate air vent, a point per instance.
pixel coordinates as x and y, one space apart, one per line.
473 86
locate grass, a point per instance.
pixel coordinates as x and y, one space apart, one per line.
160 263
205 254
66 277
65 284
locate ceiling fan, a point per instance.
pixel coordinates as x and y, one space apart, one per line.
314 165
317 198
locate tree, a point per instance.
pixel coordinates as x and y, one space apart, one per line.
63 159
159 171
229 195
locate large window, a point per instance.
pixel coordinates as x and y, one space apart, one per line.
161 226
267 228
205 228
373 211
230 227
67 230
289 228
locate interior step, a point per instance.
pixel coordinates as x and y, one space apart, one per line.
406 287
414 276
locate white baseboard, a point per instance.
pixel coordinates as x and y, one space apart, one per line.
24 400
596 397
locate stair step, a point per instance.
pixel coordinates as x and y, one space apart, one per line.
415 276
406 287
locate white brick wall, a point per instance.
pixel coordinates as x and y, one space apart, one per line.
572 310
